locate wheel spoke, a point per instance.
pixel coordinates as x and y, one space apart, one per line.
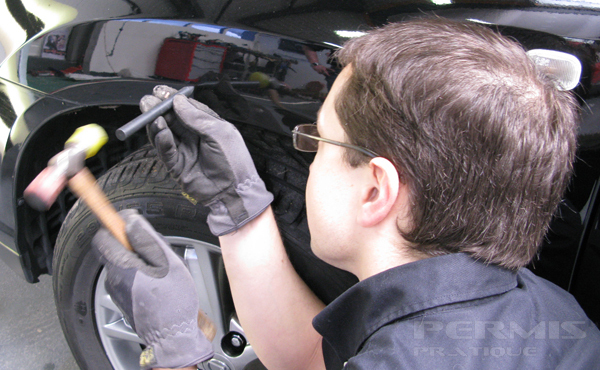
105 301
200 259
120 330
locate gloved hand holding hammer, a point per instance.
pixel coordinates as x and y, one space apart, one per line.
207 156
156 293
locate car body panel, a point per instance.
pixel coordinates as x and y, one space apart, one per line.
85 57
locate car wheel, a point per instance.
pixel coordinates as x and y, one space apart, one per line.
98 336
94 327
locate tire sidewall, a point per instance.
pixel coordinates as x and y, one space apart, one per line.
78 265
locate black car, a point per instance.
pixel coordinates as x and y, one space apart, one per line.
257 64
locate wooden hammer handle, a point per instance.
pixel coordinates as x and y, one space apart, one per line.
84 185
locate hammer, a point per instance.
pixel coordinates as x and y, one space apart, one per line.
68 167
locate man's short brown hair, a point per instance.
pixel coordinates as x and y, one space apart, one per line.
484 141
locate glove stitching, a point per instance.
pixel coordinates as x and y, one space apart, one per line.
219 192
246 184
184 327
153 337
244 222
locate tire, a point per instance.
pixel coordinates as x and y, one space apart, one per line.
93 327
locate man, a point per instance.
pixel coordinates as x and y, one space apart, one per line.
442 154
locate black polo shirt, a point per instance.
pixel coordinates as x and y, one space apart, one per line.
452 312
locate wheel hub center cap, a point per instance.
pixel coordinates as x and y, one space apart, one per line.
215 364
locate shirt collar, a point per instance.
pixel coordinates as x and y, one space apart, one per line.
390 295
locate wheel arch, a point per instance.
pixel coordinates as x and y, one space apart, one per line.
41 131
35 232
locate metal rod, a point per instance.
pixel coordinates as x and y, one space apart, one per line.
142 120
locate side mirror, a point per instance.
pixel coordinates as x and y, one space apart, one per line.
564 68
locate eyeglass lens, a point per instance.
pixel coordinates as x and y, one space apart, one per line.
305 143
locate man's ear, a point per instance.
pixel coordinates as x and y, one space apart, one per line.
380 192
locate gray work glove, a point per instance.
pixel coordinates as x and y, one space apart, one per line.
156 294
207 156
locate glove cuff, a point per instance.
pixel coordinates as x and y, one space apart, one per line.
177 351
255 197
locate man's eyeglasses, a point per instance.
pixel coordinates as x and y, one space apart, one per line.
306 139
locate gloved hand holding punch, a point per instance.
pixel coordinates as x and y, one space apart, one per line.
207 156
156 294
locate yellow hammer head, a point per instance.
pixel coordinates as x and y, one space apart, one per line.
91 137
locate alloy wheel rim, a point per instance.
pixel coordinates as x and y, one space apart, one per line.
122 345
